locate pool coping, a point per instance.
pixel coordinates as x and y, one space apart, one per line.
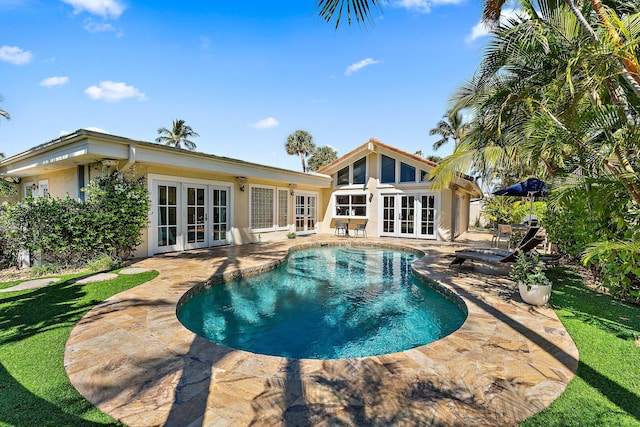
132 358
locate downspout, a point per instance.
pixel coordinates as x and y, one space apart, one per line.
131 160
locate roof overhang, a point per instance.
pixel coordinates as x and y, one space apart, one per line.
86 147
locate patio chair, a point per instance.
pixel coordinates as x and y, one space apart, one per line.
502 231
497 256
361 228
342 229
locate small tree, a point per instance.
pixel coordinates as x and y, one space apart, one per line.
123 204
321 156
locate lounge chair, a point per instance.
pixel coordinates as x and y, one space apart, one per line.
531 240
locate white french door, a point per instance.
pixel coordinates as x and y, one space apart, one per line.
195 198
407 218
219 216
190 216
427 221
408 215
305 213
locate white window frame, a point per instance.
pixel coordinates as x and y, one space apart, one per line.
398 169
350 173
276 209
351 205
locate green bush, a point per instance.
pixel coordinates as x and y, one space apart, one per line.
600 225
67 232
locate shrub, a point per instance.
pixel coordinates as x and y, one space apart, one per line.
600 225
67 232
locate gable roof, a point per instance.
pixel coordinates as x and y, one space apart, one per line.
465 182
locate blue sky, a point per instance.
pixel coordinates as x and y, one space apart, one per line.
244 75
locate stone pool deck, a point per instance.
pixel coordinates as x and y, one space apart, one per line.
133 359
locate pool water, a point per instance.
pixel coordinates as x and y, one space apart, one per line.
326 303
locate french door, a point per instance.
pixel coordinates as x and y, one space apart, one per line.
196 216
408 215
190 216
407 218
305 213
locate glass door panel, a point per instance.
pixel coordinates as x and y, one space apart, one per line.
389 214
427 227
167 210
305 213
219 216
196 221
407 216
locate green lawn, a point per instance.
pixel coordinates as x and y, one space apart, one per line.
606 389
34 327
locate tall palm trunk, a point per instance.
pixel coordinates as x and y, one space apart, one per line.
304 166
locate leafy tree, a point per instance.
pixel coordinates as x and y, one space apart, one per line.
178 135
321 156
450 127
301 143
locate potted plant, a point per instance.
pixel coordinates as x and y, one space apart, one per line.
533 284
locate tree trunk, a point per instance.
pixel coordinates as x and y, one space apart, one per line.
304 167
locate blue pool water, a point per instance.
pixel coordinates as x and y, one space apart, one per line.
326 303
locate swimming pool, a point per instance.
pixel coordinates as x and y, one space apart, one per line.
326 303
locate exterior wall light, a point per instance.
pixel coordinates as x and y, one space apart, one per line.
242 181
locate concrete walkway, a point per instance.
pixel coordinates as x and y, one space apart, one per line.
132 358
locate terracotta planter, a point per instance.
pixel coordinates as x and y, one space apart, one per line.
537 295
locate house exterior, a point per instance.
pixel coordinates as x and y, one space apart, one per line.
390 189
200 200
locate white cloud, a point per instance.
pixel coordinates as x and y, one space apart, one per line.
98 27
105 8
54 81
360 65
15 55
95 129
481 29
113 91
267 123
422 6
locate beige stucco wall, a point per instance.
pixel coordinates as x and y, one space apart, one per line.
61 183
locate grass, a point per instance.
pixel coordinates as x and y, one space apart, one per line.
606 389
34 327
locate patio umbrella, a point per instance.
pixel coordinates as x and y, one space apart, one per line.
532 187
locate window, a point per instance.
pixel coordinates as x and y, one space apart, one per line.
424 176
360 171
269 210
261 208
351 205
407 173
355 173
388 170
343 176
283 208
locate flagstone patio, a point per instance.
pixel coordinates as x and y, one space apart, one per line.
133 359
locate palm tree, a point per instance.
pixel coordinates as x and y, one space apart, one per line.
178 135
450 127
321 156
4 113
301 143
